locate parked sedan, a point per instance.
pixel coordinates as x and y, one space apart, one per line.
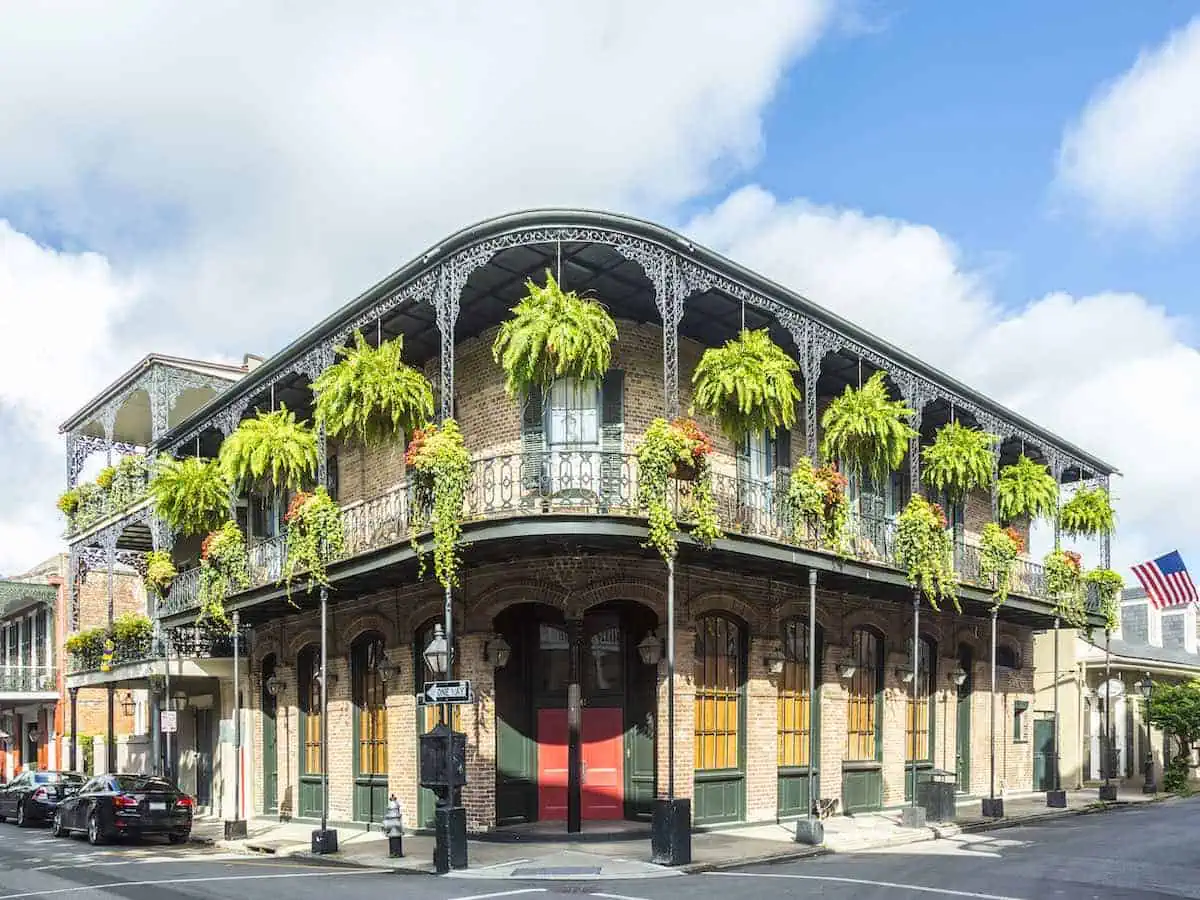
34 796
125 806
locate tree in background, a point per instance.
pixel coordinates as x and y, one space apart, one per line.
1175 708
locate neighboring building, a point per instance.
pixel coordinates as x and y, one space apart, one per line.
1161 643
560 604
108 536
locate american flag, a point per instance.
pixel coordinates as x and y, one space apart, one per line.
1167 581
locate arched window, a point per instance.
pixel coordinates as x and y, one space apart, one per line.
719 673
308 674
918 722
862 703
795 694
1007 657
367 660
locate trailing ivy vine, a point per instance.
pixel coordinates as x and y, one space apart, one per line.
315 536
1026 489
224 569
441 469
748 385
958 461
866 430
1064 584
924 549
817 499
1088 513
190 495
1108 586
999 549
681 450
553 334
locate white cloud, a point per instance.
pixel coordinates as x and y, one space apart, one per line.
1134 153
1109 372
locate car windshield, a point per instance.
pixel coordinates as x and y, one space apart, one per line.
57 778
142 783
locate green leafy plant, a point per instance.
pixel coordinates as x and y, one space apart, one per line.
130 481
223 570
553 334
91 508
1177 777
160 573
105 479
371 395
817 498
132 633
866 430
999 549
924 549
1026 489
272 450
1064 584
86 647
315 535
1175 708
191 495
68 503
668 450
1087 514
1108 586
442 472
748 385
958 461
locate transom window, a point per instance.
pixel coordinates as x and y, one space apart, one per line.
918 723
795 695
573 419
862 708
370 702
719 678
309 671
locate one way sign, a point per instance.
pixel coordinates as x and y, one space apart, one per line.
447 692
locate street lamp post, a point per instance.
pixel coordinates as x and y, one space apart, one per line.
913 816
450 822
1056 797
235 828
993 806
809 830
1146 686
1108 790
671 829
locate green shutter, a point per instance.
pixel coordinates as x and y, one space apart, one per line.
613 480
533 445
745 490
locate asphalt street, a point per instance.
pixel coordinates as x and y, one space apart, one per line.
1137 852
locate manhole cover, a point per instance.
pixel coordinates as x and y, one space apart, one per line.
557 870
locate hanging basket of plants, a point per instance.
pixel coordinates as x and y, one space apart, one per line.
1026 489
224 570
441 469
924 550
958 461
999 550
190 495
160 573
1064 585
671 450
867 431
271 451
819 506
1088 514
315 536
553 334
1108 586
748 385
371 395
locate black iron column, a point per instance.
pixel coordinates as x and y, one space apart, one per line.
325 839
235 828
993 806
1056 797
1108 790
450 817
73 693
671 831
575 771
110 741
913 816
809 830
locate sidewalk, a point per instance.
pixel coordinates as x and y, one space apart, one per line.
625 854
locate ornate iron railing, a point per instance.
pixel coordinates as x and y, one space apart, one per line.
586 482
27 679
125 493
191 641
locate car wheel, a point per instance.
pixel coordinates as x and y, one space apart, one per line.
21 820
178 838
94 835
56 826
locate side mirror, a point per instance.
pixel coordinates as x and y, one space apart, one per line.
71 790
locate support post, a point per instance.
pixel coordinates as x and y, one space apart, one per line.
1056 798
913 816
235 828
1150 786
168 763
671 831
575 773
325 839
110 739
993 806
450 818
1108 790
74 695
809 830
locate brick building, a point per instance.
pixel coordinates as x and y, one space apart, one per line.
561 612
30 717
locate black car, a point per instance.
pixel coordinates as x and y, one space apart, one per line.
125 806
34 796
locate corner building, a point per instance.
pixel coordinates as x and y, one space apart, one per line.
560 600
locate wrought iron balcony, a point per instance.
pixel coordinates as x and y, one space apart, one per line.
103 505
186 642
28 680
603 484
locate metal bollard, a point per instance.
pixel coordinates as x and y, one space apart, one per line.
393 827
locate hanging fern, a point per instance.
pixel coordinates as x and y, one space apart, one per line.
190 495
748 385
272 449
958 461
1064 585
315 535
923 548
370 395
223 571
1026 489
998 552
1108 585
553 334
1088 514
866 430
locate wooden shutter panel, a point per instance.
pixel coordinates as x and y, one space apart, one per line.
533 444
612 436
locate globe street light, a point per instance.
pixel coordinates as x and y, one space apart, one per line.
1146 686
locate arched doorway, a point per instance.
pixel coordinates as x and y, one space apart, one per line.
575 712
369 686
308 678
720 731
270 750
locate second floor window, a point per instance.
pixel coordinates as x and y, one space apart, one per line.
573 419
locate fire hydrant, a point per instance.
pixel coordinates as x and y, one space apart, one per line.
393 827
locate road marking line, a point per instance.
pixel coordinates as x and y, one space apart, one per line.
475 896
124 884
501 865
141 861
863 881
618 897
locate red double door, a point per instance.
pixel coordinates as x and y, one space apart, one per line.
602 773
